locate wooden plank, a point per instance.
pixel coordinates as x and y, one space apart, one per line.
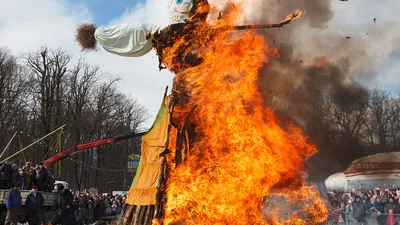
126 214
149 215
135 220
142 215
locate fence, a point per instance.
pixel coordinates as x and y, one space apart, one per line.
99 212
371 218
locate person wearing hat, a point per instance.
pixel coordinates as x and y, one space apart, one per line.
13 204
359 210
66 207
29 174
35 202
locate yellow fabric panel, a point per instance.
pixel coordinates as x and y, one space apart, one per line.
153 143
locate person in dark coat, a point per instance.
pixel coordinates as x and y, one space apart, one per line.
51 179
4 176
359 210
391 205
367 200
35 202
14 175
66 207
14 205
42 177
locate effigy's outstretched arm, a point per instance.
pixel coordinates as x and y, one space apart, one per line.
130 40
127 39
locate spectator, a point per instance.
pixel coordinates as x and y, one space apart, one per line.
359 210
391 205
370 196
376 204
396 194
42 177
107 205
391 220
114 208
377 192
14 175
384 196
51 179
65 204
35 202
367 200
29 176
375 214
3 176
353 192
119 205
14 205
21 178
349 213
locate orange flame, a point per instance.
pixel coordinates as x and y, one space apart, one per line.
294 16
243 153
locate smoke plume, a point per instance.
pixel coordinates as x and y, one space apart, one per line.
315 59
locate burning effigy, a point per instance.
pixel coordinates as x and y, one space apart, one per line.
215 154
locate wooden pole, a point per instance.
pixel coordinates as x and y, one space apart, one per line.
136 215
59 145
149 215
47 135
142 214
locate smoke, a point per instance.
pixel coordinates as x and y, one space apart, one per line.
313 62
317 58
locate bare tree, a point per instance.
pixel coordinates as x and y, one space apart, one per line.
43 91
381 114
346 114
394 123
13 95
81 81
49 67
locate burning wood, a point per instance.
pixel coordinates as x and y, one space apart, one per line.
188 33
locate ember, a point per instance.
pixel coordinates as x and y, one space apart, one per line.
321 62
234 151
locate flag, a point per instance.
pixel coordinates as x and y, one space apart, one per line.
143 189
134 157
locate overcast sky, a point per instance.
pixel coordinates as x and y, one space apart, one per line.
25 25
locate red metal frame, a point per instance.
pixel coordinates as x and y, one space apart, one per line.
92 144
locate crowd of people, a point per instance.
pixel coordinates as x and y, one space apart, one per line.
374 207
27 176
94 205
72 207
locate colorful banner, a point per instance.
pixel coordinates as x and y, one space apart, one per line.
143 190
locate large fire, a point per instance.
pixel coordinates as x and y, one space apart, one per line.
241 153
